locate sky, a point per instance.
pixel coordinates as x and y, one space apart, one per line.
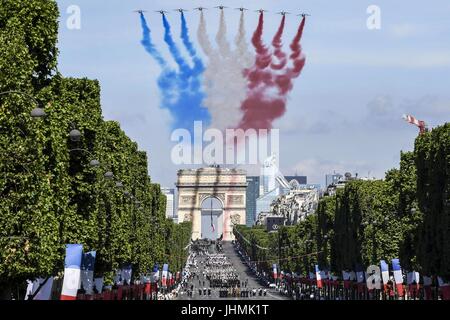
344 113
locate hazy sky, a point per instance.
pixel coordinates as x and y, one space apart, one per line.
344 113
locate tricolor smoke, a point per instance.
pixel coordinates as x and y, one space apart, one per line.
268 87
241 89
181 89
225 84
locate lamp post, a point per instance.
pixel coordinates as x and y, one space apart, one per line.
94 163
37 112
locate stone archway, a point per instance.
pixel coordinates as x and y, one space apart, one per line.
226 185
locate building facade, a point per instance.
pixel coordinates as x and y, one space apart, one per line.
253 192
170 203
195 189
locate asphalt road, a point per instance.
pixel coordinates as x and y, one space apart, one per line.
244 274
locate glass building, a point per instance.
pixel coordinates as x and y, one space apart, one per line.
253 188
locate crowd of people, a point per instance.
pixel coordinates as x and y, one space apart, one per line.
209 272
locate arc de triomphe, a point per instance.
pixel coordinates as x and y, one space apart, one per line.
227 185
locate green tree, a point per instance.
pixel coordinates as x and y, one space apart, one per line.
433 193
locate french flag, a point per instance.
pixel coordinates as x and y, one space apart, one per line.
360 279
212 224
126 273
99 284
72 271
45 291
427 282
87 271
398 276
445 288
164 275
384 273
346 278
319 277
275 272
413 279
155 275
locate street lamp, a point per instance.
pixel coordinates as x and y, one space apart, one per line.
109 175
37 112
94 163
119 184
75 135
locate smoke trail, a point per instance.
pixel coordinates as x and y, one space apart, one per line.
299 60
185 37
259 75
184 67
278 45
202 36
242 52
199 67
261 108
148 45
221 37
285 81
225 84
263 56
180 90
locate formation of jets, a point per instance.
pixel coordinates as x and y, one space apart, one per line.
242 9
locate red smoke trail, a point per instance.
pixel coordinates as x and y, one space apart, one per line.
257 111
259 75
263 56
284 81
278 45
260 110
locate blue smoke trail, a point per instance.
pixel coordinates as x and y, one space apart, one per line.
189 105
184 67
181 89
199 68
148 45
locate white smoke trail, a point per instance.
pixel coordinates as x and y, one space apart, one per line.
221 37
225 84
242 52
202 36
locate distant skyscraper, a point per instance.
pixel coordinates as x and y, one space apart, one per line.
269 172
170 204
253 192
